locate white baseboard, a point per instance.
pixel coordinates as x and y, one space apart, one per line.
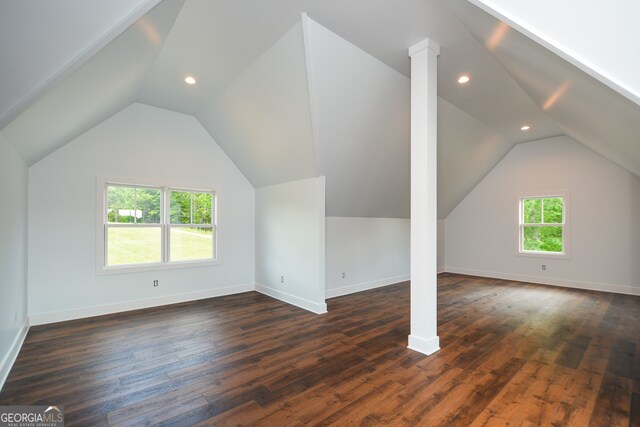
359 287
441 269
12 354
426 346
314 307
99 310
563 283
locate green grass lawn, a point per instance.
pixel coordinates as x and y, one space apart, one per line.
190 243
143 245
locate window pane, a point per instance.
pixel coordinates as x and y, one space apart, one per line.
134 245
191 243
121 204
553 210
148 205
532 211
180 207
202 203
542 239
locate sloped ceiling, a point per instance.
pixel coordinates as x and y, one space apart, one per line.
285 104
600 38
262 120
104 85
214 41
467 151
361 118
386 29
583 107
363 140
41 42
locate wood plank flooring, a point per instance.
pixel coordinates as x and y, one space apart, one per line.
512 354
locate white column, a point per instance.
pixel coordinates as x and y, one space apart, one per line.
424 219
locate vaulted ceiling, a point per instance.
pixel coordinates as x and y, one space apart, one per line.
41 43
585 108
289 96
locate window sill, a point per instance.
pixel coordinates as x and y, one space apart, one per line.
100 271
548 255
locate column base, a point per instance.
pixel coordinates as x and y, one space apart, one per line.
426 346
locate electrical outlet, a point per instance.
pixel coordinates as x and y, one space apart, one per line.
155 283
544 266
344 275
281 279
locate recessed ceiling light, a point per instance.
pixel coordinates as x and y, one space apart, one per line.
463 79
190 80
525 128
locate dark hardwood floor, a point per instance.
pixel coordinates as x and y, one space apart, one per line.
512 354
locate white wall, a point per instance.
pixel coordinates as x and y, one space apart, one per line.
140 142
13 255
441 244
482 231
371 252
290 242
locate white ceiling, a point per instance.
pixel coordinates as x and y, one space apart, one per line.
467 151
361 119
41 42
386 29
253 92
262 120
214 41
104 85
583 107
602 38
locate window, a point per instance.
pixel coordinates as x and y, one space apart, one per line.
190 225
544 227
145 227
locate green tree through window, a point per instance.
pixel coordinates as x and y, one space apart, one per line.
542 224
135 205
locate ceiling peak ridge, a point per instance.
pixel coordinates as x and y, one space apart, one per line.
138 93
313 114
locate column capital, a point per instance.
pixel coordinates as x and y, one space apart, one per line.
425 44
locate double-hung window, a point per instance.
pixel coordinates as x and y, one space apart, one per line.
544 228
147 227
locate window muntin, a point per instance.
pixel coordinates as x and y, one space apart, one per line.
155 226
543 225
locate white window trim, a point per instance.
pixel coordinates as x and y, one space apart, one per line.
101 239
566 234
